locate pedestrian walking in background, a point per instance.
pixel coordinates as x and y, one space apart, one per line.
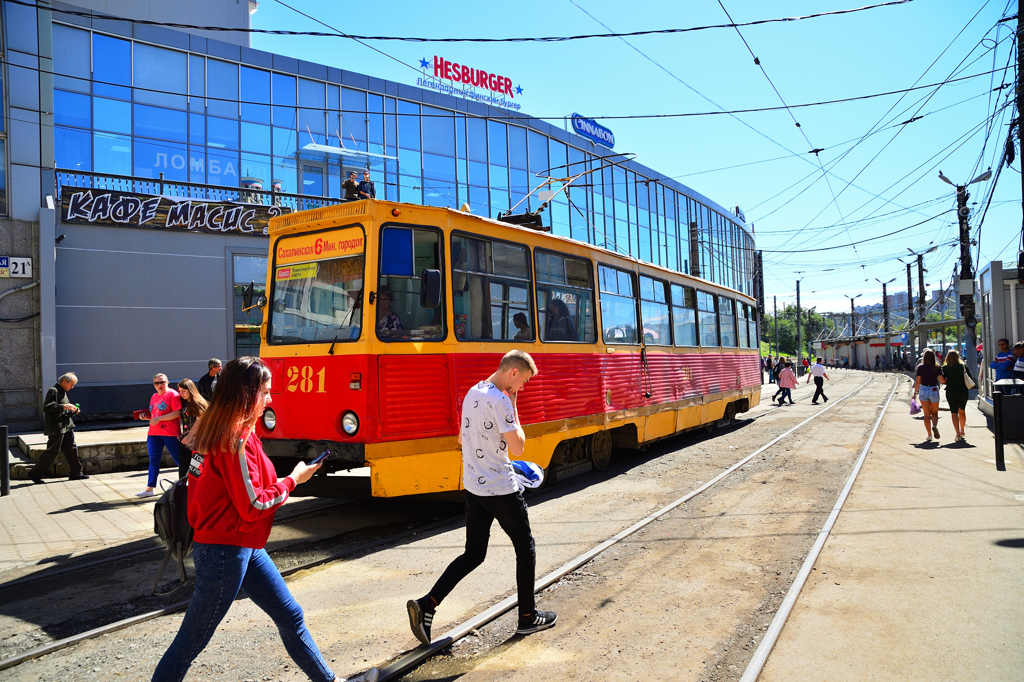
233 494
59 429
926 387
193 405
164 411
953 372
787 382
818 372
208 382
779 366
769 367
490 432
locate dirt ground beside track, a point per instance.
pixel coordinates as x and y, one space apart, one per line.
688 598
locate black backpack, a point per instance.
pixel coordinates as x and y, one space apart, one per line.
170 523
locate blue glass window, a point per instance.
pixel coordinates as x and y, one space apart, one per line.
438 131
197 83
439 167
164 124
558 158
476 139
286 174
256 166
255 88
538 152
408 125
153 158
196 129
111 64
222 167
409 163
285 143
477 173
112 115
112 153
499 177
197 164
255 138
221 133
497 143
70 109
311 107
334 98
390 123
3 178
222 83
160 76
71 58
284 100
73 149
517 147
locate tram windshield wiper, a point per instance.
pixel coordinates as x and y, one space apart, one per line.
344 325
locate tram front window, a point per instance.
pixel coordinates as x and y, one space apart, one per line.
317 301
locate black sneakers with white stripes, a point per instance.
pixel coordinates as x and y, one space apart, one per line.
421 615
541 620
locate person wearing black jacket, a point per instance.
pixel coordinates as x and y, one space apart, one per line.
59 429
209 380
366 188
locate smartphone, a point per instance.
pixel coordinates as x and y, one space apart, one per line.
319 458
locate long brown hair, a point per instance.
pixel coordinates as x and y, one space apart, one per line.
929 358
234 408
196 404
952 358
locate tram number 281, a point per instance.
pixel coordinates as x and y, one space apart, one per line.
303 379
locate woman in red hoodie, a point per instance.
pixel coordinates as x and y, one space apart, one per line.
233 493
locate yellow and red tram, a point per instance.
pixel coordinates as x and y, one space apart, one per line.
380 316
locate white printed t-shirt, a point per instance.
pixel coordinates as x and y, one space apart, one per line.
487 413
818 370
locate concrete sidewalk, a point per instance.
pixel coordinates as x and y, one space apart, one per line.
921 577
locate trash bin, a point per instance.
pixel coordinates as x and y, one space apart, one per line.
1008 414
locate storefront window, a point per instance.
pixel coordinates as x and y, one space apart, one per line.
112 153
73 148
70 109
255 95
222 82
111 115
248 269
164 124
160 76
111 66
153 158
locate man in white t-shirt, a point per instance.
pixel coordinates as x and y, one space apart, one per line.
818 372
490 431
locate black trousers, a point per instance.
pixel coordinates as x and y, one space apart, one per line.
481 511
819 389
60 443
184 459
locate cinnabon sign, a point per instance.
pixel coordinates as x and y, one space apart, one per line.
479 78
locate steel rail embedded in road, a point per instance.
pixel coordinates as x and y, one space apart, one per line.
771 635
419 655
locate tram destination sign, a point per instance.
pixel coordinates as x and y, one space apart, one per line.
125 209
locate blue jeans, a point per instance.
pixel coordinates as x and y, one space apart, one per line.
155 446
220 571
786 395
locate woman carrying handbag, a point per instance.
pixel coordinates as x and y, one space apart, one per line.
958 383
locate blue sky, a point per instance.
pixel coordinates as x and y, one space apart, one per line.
877 185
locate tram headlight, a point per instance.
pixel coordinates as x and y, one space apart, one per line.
269 419
350 423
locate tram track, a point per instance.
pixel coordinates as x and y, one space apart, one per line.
416 657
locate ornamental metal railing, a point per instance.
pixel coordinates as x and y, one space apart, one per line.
190 190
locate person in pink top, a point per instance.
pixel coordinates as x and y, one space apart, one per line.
164 412
787 382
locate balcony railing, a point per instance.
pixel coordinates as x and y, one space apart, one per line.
190 190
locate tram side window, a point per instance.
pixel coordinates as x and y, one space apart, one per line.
755 342
707 315
405 252
727 321
491 290
684 315
565 298
654 312
618 305
742 311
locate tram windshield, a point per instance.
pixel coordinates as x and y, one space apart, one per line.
317 288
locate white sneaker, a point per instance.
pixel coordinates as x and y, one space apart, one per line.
150 493
928 439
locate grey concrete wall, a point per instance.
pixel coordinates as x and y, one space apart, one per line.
226 13
133 302
20 398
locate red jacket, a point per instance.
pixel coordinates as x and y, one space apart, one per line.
232 496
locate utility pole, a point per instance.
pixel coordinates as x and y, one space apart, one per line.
910 315
885 326
920 302
967 277
799 332
775 316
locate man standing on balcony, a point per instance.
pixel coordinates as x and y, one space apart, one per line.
351 187
366 188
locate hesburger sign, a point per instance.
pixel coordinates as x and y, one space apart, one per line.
478 78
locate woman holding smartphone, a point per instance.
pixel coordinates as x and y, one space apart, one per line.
233 494
193 405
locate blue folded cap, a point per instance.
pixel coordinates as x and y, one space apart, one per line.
528 474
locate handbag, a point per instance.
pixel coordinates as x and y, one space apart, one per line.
915 406
968 380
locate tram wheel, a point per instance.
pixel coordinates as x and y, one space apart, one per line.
601 449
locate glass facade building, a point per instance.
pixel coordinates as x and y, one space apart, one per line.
146 109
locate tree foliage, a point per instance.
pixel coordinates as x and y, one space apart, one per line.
811 322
